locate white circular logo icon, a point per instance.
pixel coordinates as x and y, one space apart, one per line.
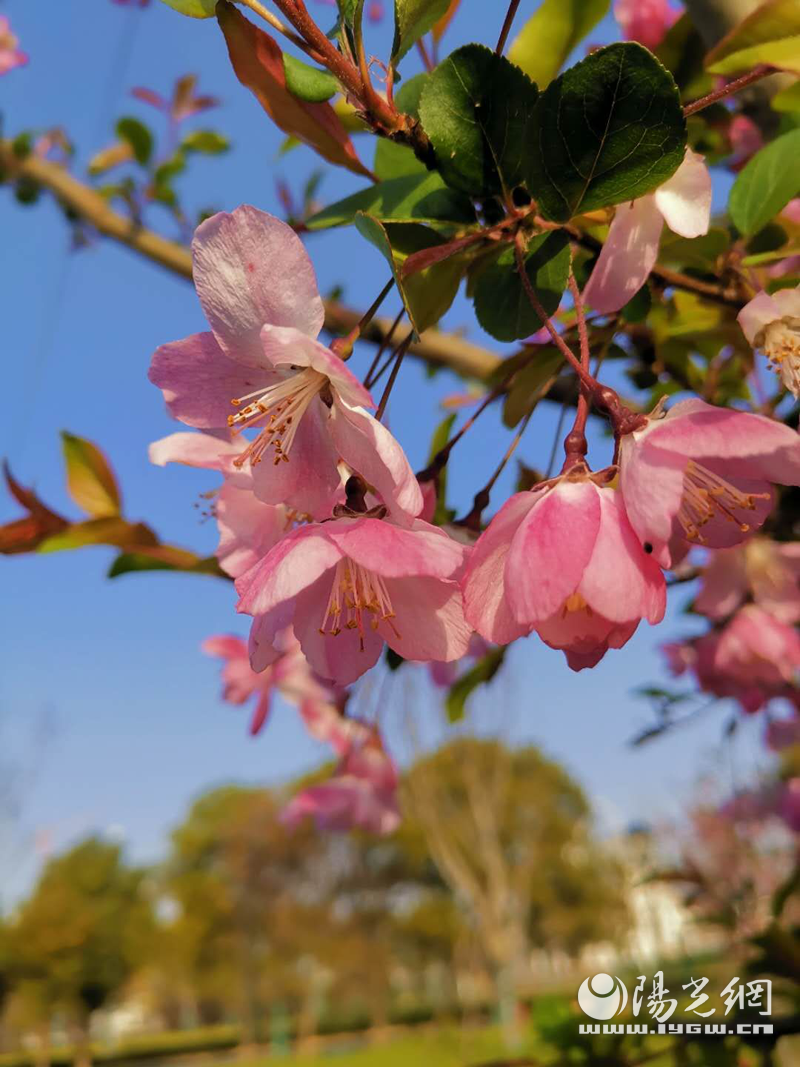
603 996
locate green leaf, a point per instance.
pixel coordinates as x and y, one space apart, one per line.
195 9
208 142
767 184
787 99
428 294
395 160
108 531
137 135
501 303
307 82
770 34
412 20
90 480
477 109
638 307
414 198
165 558
608 130
528 386
483 671
350 11
551 33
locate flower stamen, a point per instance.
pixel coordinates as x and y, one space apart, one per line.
706 495
355 593
782 349
283 406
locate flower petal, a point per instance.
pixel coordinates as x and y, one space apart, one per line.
309 479
551 549
264 645
651 482
396 552
486 606
248 529
199 381
429 621
685 199
343 658
292 565
195 450
763 448
368 448
621 582
756 315
628 255
250 269
285 347
788 300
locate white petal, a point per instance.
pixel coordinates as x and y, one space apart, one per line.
685 199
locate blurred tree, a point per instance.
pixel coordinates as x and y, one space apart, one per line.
510 833
78 938
244 886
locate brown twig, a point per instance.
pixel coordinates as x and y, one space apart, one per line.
398 360
763 70
512 10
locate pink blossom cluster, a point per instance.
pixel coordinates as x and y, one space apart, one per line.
750 594
320 515
11 55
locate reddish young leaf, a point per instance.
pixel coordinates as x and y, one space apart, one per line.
258 64
26 534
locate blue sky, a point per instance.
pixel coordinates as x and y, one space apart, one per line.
107 706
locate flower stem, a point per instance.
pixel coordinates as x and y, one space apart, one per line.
427 62
512 10
472 521
575 445
398 359
605 399
371 377
763 70
343 346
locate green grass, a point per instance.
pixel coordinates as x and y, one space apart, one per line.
440 1048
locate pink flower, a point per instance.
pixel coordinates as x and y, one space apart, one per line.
351 584
757 649
772 323
746 139
631 248
289 675
765 569
701 475
10 55
788 806
645 21
782 733
258 290
680 656
248 528
362 792
754 659
564 561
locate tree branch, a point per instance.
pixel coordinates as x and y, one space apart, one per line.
439 349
